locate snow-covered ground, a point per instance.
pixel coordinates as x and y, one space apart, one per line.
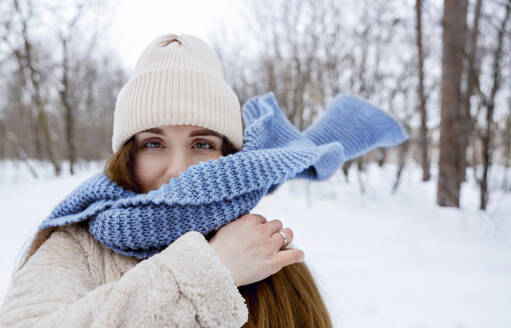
380 259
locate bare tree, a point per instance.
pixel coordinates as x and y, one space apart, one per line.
472 84
402 154
27 61
507 138
3 139
454 29
305 54
55 89
296 40
506 186
489 104
67 89
403 148
423 139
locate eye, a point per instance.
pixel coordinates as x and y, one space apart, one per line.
204 145
152 144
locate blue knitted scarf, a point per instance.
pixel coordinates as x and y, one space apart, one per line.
212 193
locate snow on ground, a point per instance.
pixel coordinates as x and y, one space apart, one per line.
380 259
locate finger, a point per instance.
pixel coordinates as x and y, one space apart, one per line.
273 226
287 257
259 218
278 240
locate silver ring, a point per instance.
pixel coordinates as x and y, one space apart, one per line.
283 236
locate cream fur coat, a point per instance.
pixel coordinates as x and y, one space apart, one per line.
74 281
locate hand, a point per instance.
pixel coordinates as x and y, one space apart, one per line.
250 248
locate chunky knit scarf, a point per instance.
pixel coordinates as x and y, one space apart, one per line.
212 193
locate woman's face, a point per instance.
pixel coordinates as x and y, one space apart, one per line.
163 152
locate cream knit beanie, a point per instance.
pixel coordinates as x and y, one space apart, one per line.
178 80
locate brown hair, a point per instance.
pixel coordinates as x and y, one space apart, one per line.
288 299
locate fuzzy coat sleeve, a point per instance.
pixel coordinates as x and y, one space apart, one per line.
185 285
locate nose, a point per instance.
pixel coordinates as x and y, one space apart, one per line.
176 164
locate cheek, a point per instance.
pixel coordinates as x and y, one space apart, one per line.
147 172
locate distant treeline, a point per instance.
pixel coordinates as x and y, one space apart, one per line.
442 69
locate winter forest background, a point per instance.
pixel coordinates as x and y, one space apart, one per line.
422 230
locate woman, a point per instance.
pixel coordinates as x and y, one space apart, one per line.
175 112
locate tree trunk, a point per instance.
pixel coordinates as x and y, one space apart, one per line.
485 141
423 138
453 38
507 140
36 137
487 137
472 82
507 151
345 169
403 151
3 141
361 167
68 107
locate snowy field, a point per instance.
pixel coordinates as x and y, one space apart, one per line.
380 259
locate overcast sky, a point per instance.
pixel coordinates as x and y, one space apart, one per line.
136 23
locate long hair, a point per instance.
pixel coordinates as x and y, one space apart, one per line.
287 299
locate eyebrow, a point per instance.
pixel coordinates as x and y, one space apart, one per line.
194 133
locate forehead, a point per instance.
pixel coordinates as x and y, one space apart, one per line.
190 130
